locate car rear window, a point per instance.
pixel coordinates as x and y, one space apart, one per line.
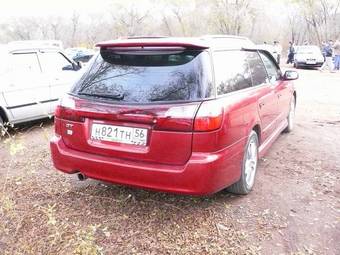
147 76
308 49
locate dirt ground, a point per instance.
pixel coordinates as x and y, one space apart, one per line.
293 209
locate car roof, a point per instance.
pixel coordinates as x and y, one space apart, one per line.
32 45
204 42
27 50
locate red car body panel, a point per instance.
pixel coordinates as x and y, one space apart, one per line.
177 144
176 158
203 174
152 43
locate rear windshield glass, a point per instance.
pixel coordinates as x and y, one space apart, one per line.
308 49
147 76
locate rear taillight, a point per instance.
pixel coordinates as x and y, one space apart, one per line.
209 116
177 118
66 110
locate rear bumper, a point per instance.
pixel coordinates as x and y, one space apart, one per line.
203 174
304 64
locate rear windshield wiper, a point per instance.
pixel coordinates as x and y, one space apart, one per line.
115 97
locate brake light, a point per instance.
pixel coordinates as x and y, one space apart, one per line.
209 116
66 110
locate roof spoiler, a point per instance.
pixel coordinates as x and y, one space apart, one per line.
151 44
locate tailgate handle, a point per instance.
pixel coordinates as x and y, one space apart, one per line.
138 117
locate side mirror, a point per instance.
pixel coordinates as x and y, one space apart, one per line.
79 64
290 75
73 67
68 68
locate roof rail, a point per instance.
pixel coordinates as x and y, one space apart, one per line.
34 44
143 37
222 36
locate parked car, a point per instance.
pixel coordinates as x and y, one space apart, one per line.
308 56
184 115
82 55
33 77
36 43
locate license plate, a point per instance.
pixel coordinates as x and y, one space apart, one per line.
311 62
119 134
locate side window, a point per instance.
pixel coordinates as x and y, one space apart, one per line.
231 71
53 61
258 72
24 62
273 72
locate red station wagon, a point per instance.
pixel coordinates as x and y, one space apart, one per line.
183 115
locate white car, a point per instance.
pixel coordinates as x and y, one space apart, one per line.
32 79
308 56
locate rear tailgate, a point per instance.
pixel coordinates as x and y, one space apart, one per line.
164 142
133 89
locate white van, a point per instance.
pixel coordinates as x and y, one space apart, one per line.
32 79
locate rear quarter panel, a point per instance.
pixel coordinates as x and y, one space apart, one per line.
239 117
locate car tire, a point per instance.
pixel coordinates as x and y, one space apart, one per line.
1 126
290 117
249 167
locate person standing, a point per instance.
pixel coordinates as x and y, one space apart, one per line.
323 50
336 48
278 51
291 52
329 57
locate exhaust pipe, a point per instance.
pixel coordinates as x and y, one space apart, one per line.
81 177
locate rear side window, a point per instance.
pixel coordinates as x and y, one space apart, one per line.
258 71
24 62
147 76
274 73
232 71
53 61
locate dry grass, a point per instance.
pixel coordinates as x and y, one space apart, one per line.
45 212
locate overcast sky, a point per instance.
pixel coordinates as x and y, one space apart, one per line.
18 8
15 8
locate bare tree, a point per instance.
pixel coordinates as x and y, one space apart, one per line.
55 26
22 29
75 24
312 20
232 15
167 25
129 21
320 18
176 10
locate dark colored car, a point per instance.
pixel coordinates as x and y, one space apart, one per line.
183 115
82 55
